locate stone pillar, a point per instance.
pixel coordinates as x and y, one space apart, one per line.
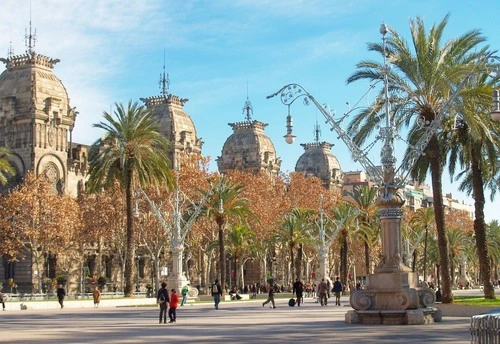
391 293
176 279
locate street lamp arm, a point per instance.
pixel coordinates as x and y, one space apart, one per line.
156 211
198 208
291 92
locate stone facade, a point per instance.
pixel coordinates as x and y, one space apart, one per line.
319 161
175 124
249 148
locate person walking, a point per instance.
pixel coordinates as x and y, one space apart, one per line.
162 299
216 293
323 292
184 293
174 302
61 293
298 289
337 290
270 297
96 294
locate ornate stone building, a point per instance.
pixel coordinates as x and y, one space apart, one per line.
249 148
36 123
319 161
175 123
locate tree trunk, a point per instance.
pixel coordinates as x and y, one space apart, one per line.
298 263
436 168
425 252
480 226
343 257
130 254
367 258
222 259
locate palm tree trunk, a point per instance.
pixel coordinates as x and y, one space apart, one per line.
425 252
367 257
343 257
436 168
222 259
298 265
129 260
480 226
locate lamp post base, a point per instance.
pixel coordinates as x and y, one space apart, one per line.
419 316
393 298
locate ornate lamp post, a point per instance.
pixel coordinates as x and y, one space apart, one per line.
178 230
392 295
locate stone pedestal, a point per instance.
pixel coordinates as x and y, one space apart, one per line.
176 278
392 295
420 316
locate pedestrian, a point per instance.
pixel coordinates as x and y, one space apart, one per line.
61 293
97 297
174 302
439 295
184 293
2 300
298 289
270 297
162 299
216 293
337 290
322 292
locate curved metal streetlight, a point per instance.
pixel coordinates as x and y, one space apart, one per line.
393 286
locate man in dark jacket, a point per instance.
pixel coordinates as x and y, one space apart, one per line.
162 299
216 293
61 293
298 289
337 290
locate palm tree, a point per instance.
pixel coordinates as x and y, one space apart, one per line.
345 212
364 197
294 231
421 84
225 203
242 245
492 235
473 145
132 152
424 220
6 168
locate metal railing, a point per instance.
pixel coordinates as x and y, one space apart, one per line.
485 328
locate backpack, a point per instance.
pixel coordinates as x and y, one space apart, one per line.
162 297
215 289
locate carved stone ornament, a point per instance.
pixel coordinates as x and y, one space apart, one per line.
51 136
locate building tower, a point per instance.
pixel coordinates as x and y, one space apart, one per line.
174 122
249 148
319 161
36 124
36 121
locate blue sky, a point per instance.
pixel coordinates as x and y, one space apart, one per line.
217 51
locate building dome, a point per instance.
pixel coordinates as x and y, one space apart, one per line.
249 148
319 161
27 75
175 124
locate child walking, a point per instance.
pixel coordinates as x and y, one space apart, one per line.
174 302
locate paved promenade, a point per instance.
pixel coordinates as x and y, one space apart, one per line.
234 322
